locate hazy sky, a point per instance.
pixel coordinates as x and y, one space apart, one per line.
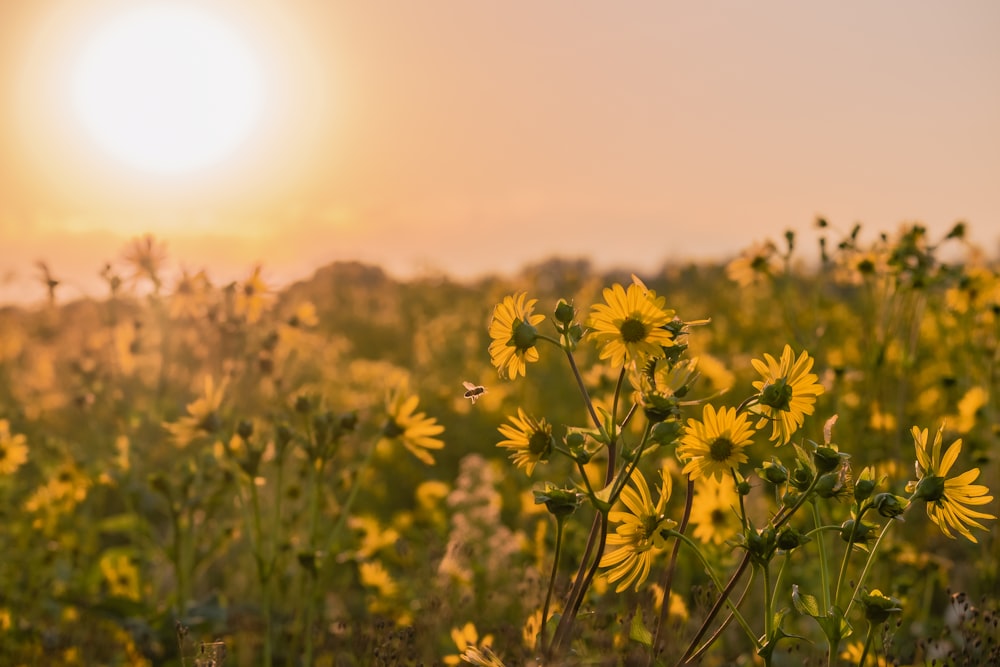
476 136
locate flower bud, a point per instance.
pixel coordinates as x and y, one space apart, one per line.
888 505
559 502
827 459
878 606
773 471
565 313
789 539
666 432
863 533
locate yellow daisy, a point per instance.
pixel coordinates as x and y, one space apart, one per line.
530 440
638 536
465 637
252 297
629 326
755 264
947 499
715 445
713 514
13 449
787 393
202 414
414 430
514 335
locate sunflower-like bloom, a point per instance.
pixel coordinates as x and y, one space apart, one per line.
466 637
414 429
714 514
787 393
530 440
514 335
715 445
754 265
13 449
252 297
629 325
638 536
947 499
202 415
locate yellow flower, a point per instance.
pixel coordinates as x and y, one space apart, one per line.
947 499
146 257
202 414
514 335
852 655
374 575
713 513
13 449
638 536
121 575
414 430
251 296
530 440
190 298
465 637
629 326
715 444
753 265
787 393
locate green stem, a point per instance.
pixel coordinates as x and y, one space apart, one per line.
868 644
667 581
824 588
718 583
868 564
847 554
560 520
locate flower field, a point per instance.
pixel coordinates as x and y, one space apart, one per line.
786 459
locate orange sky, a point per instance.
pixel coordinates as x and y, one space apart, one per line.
477 136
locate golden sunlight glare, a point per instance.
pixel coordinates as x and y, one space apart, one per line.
166 88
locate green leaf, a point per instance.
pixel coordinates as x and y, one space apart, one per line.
805 603
638 630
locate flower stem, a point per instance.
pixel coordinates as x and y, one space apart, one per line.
560 520
667 579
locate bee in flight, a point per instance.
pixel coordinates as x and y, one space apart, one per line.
473 391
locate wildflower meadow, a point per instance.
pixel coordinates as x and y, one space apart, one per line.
789 458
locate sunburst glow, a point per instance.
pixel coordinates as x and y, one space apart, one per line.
167 88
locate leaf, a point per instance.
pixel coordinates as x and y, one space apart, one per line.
638 630
805 603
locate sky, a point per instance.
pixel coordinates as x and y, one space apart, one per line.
474 137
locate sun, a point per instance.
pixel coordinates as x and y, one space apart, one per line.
167 88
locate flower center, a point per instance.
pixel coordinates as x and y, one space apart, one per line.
392 429
633 330
721 449
540 444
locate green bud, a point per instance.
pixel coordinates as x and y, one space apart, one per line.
789 539
761 545
829 485
863 533
863 489
827 459
879 607
666 432
888 505
302 404
773 471
559 502
802 477
565 313
743 487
